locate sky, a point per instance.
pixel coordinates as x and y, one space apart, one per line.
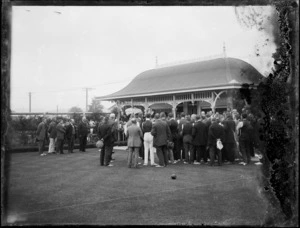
58 51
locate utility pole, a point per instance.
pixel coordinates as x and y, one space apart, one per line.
86 97
29 101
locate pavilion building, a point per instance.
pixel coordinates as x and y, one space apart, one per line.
190 87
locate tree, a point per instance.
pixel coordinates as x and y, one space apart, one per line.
75 109
115 110
96 106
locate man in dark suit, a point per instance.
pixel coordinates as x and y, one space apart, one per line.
200 139
139 120
180 142
187 138
102 152
70 135
134 143
60 136
193 121
245 130
216 132
42 136
161 134
83 131
114 128
173 125
52 135
207 120
105 134
229 140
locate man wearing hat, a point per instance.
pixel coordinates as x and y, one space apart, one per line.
114 129
105 134
215 133
83 131
52 135
60 129
229 128
134 143
199 133
139 120
70 135
181 122
42 136
245 130
161 135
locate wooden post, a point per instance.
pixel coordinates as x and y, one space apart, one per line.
185 107
198 107
213 104
229 99
174 105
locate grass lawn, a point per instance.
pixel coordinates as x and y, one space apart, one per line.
75 189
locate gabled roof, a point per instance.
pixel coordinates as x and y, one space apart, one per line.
197 76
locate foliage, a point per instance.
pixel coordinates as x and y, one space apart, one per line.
115 110
95 116
75 109
77 117
95 106
275 97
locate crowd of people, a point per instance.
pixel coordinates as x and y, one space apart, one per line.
208 138
197 139
59 132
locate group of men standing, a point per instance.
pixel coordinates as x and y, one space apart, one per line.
190 139
59 132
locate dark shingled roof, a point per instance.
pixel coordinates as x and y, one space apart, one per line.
191 76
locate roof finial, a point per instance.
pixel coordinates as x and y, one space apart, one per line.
156 62
224 50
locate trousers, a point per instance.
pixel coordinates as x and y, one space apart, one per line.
41 146
59 145
107 154
171 155
201 153
133 156
102 153
162 154
213 151
82 142
245 150
176 149
71 144
52 145
189 152
228 152
148 146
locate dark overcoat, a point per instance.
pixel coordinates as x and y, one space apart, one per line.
161 133
200 134
216 131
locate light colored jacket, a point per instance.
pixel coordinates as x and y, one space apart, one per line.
134 134
41 131
60 131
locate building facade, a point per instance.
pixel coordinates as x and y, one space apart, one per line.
208 85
